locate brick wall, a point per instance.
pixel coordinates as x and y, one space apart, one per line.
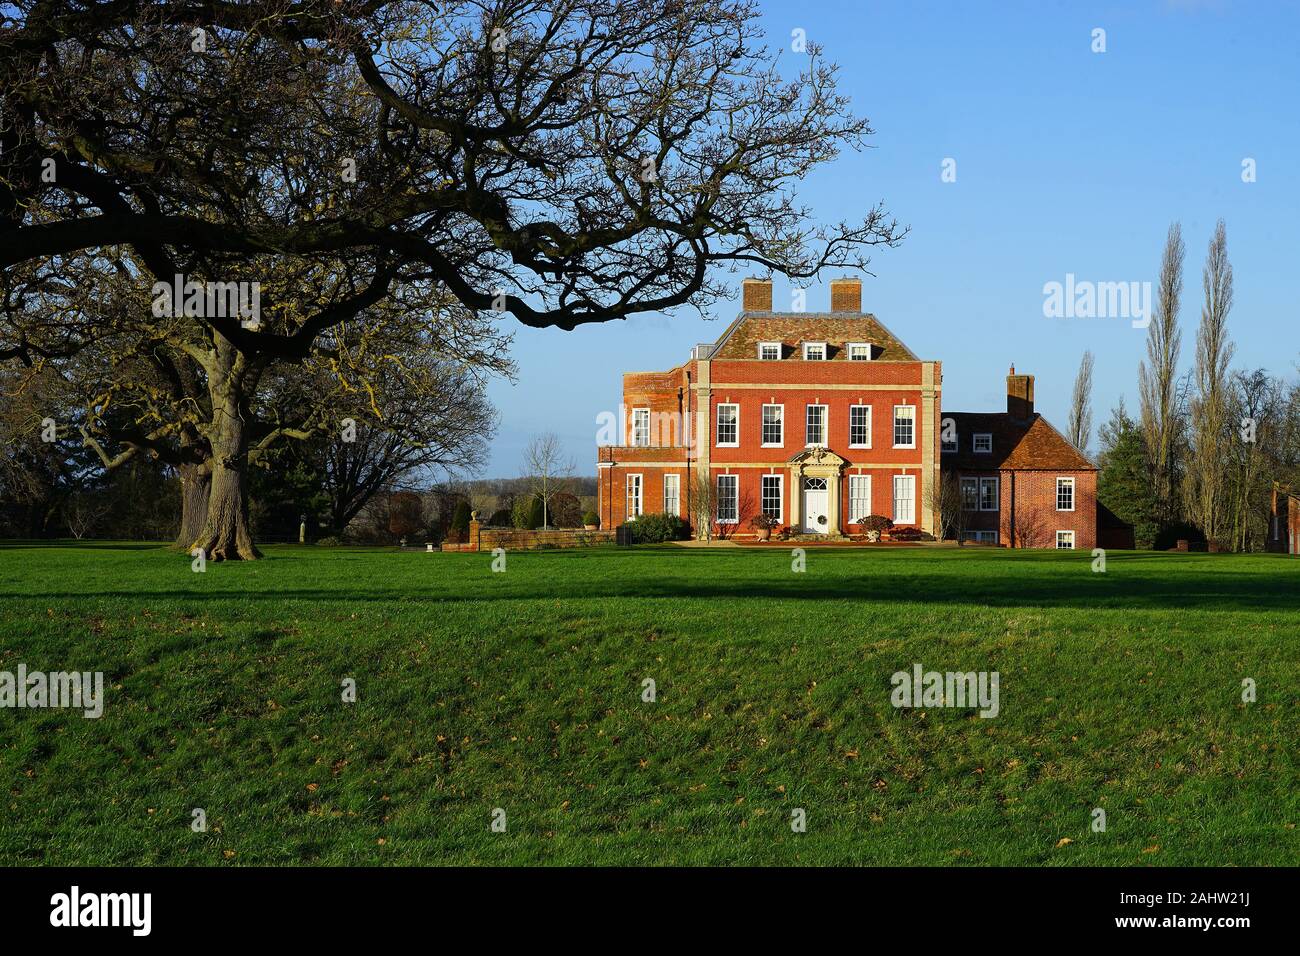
514 539
1035 515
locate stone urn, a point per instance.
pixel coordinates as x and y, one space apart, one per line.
764 534
873 536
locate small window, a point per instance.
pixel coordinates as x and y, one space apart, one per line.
949 444
640 426
859 426
904 426
728 499
815 429
1065 540
814 351
773 426
988 494
1064 494
859 352
772 499
814 484
983 443
970 494
769 351
982 537
728 425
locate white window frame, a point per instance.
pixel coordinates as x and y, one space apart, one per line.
1070 538
984 483
826 425
762 427
717 425
912 443
734 481
637 436
910 481
815 345
973 503
780 496
975 443
630 514
981 536
852 443
852 497
676 498
769 345
850 346
1069 483
949 446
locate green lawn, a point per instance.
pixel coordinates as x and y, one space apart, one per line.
522 690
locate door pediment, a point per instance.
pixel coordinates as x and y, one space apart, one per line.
818 458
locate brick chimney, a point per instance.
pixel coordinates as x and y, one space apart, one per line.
1020 395
846 295
757 295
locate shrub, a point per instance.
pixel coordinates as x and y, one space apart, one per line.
536 512
521 514
461 517
566 510
909 534
591 518
500 518
876 523
328 542
656 528
404 514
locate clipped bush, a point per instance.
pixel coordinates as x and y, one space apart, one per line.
566 510
591 518
460 519
536 512
328 542
500 518
521 513
876 523
657 528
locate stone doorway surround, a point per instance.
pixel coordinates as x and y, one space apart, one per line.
816 462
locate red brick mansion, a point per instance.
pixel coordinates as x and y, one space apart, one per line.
820 419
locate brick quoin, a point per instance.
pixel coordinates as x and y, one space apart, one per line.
1027 455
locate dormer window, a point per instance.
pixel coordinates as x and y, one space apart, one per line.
859 351
769 351
982 443
814 351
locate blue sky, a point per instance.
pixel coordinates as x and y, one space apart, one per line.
1067 161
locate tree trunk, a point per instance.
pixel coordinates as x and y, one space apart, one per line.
225 535
196 483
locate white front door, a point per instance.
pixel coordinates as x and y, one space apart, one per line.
816 504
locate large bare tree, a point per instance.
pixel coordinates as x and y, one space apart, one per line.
1161 414
563 162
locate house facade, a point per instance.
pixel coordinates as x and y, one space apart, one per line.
1021 483
816 420
819 419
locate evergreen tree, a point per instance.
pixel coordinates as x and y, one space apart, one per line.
1124 484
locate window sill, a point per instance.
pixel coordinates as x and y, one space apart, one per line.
772 445
866 447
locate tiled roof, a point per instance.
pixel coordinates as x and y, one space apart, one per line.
1026 445
836 329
